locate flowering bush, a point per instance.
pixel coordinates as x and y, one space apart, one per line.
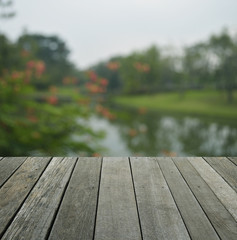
49 125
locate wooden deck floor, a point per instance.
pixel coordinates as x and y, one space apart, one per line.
118 198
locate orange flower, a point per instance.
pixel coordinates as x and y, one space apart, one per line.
113 65
53 89
142 67
16 75
146 68
30 64
96 154
138 66
93 88
169 154
92 76
103 81
132 132
40 68
53 100
142 110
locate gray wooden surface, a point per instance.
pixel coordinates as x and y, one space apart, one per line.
160 218
222 220
225 168
118 198
117 216
8 167
76 216
15 190
233 159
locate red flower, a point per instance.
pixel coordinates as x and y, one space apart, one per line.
103 81
53 100
138 66
92 76
30 64
40 68
113 65
16 75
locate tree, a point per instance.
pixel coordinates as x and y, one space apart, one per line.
8 57
224 50
52 51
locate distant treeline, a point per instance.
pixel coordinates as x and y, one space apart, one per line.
207 64
50 50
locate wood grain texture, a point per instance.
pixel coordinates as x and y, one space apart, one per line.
225 168
15 190
195 219
8 166
222 220
76 216
233 160
219 186
117 213
159 216
35 216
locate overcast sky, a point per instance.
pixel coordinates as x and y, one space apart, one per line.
98 29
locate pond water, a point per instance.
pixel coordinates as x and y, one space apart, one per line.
135 133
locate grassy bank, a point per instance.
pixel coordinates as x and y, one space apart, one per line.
205 103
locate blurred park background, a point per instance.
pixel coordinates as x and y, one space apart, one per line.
103 78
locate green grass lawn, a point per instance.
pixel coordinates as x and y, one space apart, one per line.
206 103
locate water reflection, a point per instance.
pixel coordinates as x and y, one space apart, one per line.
152 134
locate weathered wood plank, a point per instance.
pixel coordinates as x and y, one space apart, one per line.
194 218
233 160
15 190
117 213
8 166
221 219
225 168
76 217
220 187
159 216
35 216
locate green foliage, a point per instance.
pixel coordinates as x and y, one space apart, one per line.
9 57
49 122
48 127
209 64
53 52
